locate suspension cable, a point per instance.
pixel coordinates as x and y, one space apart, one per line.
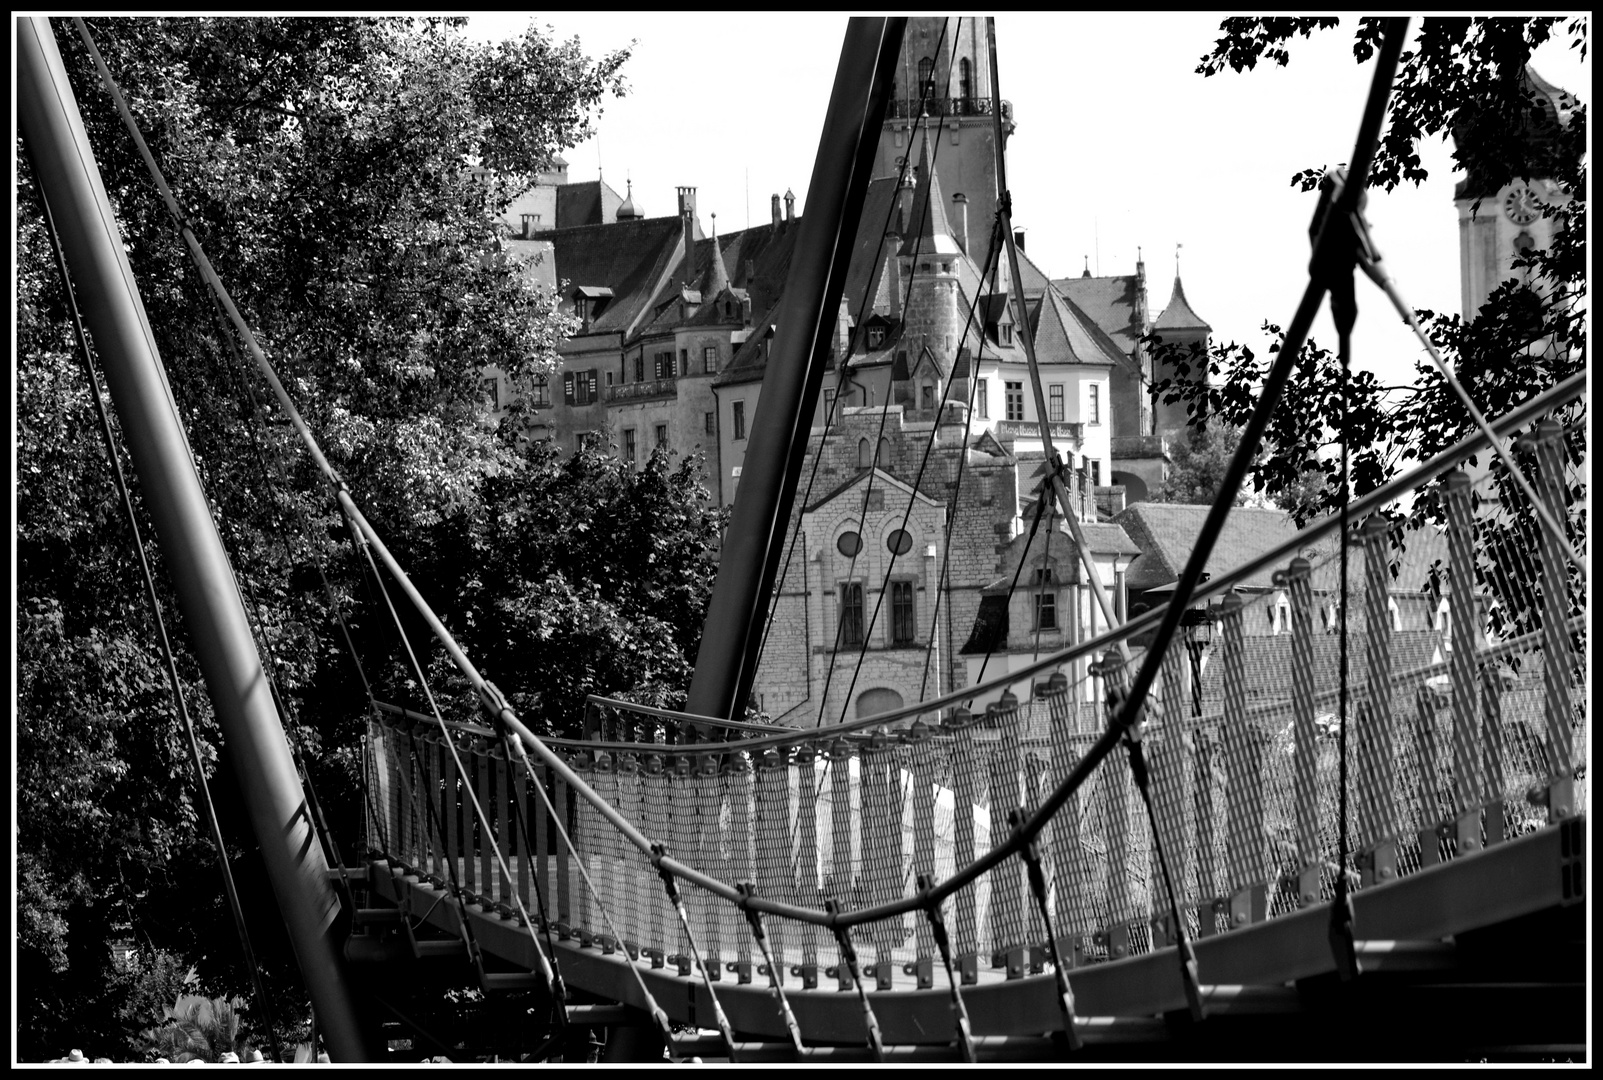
202 263
546 970
918 480
843 376
993 250
885 409
168 662
672 886
1369 261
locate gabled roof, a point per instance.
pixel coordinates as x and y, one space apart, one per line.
628 257
1113 303
773 267
1064 334
1167 533
591 202
985 443
1177 314
882 480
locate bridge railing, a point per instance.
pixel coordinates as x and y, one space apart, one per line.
1465 718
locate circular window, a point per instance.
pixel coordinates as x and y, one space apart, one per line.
849 544
900 542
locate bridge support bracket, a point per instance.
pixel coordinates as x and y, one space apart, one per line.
1247 906
1379 864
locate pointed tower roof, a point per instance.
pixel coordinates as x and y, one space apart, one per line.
718 280
1177 314
628 211
930 235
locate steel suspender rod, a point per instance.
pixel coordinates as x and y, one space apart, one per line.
1054 462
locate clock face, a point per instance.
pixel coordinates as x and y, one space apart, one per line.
1520 206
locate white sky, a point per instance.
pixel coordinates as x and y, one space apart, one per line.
1119 145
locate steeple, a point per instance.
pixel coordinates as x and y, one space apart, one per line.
930 234
719 281
1177 313
628 211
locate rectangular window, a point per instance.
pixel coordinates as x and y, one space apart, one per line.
851 614
711 421
829 405
1096 471
901 613
1054 403
584 387
982 407
629 445
609 377
1046 601
542 390
684 361
1093 412
662 436
662 366
492 390
640 366
709 359
1015 401
740 420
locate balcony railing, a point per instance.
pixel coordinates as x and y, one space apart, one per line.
913 108
641 391
1029 429
1139 446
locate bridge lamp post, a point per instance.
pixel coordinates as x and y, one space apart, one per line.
1198 625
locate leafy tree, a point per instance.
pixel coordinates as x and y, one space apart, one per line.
1459 77
344 176
1197 466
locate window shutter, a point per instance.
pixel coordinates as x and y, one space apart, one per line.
567 387
592 380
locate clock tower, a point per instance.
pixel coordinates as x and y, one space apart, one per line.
944 73
1496 223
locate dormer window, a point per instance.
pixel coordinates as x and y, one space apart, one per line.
1005 333
876 336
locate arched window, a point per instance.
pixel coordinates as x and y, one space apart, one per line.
884 452
926 78
1280 615
865 454
965 87
876 701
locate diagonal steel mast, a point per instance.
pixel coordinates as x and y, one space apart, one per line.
208 595
731 642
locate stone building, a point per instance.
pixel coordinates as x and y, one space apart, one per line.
927 384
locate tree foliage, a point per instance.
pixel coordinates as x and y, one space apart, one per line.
1198 460
1458 78
344 175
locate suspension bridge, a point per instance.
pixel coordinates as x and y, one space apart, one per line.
1334 848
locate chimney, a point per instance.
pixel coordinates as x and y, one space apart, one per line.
960 201
1018 238
790 205
687 222
775 205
